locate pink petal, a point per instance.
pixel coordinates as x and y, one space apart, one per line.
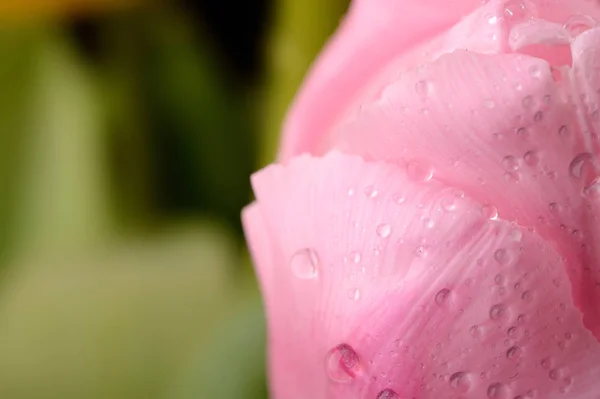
381 38
386 283
501 129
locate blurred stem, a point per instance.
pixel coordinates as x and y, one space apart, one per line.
62 202
133 174
300 29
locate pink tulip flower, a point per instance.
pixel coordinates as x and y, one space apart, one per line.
431 228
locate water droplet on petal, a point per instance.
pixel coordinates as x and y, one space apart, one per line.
384 230
527 296
460 382
579 164
531 158
489 212
527 101
592 191
514 353
371 192
387 394
475 331
419 172
498 391
510 163
423 88
354 294
497 311
355 256
502 256
535 71
580 23
304 264
342 364
442 296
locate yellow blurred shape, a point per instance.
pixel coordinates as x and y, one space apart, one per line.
27 9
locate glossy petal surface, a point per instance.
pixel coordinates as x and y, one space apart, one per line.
382 279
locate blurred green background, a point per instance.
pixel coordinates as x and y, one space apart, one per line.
128 131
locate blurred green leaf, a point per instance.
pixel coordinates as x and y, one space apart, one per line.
198 135
62 194
234 365
123 326
300 30
17 51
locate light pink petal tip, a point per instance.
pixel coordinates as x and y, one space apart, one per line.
387 283
381 38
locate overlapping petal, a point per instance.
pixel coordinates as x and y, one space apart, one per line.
383 282
383 38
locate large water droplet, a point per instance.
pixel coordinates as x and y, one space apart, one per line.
502 256
442 297
384 230
489 212
387 394
592 191
460 382
532 158
305 264
580 164
498 390
510 163
497 311
579 23
419 171
342 364
514 353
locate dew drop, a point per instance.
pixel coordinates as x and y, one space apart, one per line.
342 364
442 296
497 391
531 158
527 102
510 163
497 311
499 279
579 164
489 212
421 251
554 374
460 382
305 264
428 223
423 88
354 294
514 353
387 394
475 331
502 256
419 172
371 192
535 71
355 256
538 116
384 230
592 191
563 131
527 296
